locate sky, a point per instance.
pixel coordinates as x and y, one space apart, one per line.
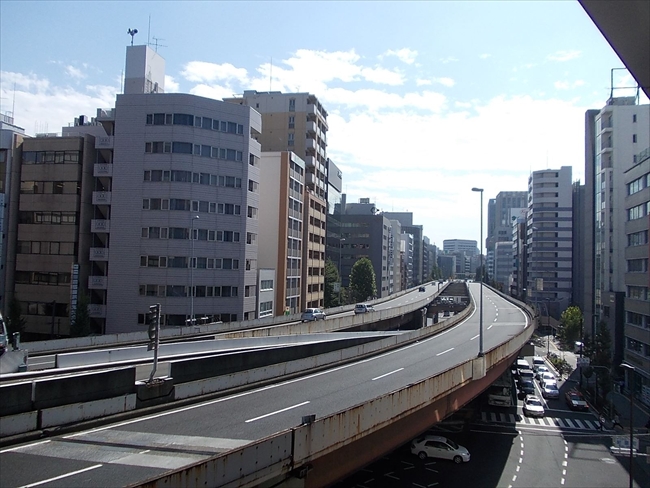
426 99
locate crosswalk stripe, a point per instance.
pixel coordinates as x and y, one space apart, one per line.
580 424
590 425
569 423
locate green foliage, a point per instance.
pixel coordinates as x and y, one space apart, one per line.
570 325
80 325
15 323
436 272
362 281
331 278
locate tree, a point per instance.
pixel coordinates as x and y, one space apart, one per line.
436 272
80 324
331 278
15 323
362 281
570 325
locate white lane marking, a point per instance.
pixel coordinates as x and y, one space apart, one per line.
443 352
72 473
387 374
474 337
277 411
23 447
518 468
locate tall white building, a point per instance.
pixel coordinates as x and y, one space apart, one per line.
549 237
176 207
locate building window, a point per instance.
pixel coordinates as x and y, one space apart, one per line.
633 137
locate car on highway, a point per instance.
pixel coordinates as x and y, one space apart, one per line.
434 446
526 386
522 364
363 308
312 314
549 390
537 362
526 374
422 288
533 406
575 400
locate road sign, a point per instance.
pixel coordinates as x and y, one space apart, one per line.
623 442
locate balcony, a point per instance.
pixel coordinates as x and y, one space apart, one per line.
312 127
99 254
310 179
101 198
103 169
310 161
97 282
310 144
312 108
104 142
97 311
100 225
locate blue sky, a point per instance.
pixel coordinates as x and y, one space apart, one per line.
426 99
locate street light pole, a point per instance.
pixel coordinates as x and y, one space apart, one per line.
632 372
194 217
480 323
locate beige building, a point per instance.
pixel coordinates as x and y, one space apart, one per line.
48 231
281 224
297 122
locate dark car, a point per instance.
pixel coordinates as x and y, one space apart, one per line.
527 386
575 400
422 289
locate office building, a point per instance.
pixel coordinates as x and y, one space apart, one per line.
297 122
549 238
466 246
499 224
406 221
502 265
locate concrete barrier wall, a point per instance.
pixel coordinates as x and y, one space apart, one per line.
77 412
18 424
83 387
195 369
15 398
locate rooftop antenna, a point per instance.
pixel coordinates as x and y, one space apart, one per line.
149 30
132 33
155 41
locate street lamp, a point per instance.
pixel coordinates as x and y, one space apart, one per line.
632 373
194 217
480 323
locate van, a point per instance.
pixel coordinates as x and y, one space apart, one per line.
537 362
363 308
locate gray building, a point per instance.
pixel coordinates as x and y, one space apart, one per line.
503 264
499 224
406 221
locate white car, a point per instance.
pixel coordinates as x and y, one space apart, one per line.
435 446
547 377
540 371
549 390
533 406
363 308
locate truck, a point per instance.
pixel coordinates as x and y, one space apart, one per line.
500 392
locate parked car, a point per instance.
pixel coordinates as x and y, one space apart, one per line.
363 308
435 446
311 314
549 390
575 400
533 406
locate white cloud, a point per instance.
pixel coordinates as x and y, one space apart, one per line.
448 59
382 76
444 81
75 73
170 85
563 56
422 82
484 56
566 85
405 55
201 71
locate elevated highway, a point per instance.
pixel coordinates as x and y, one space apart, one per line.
310 430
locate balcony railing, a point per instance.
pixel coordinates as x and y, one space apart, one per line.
103 169
97 311
100 225
97 282
104 142
101 198
99 254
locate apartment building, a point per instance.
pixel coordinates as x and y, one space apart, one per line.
499 224
297 122
48 231
417 232
280 226
502 264
549 237
637 274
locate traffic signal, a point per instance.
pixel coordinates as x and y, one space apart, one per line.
153 320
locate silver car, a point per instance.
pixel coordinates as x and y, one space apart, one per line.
549 390
312 314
